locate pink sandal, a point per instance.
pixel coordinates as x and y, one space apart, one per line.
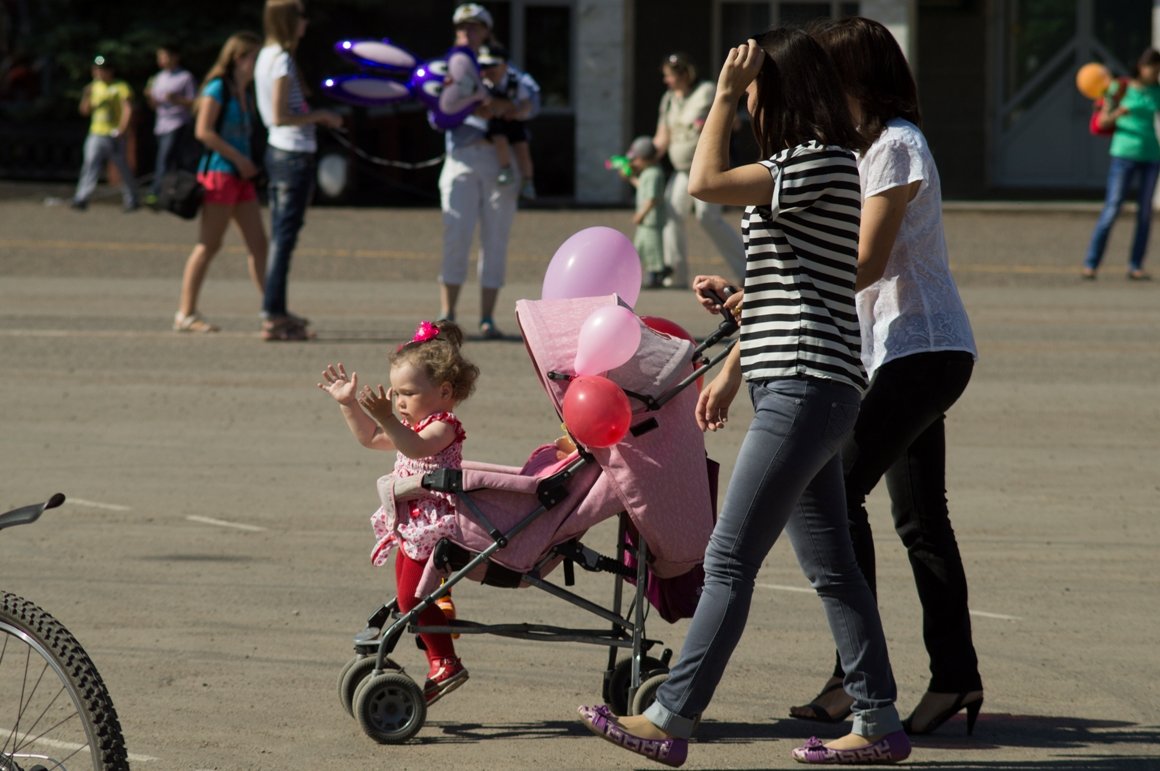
285 328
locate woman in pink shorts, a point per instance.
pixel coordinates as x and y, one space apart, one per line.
224 119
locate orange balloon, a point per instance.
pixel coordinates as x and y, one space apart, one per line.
1092 80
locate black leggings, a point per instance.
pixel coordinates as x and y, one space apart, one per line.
900 435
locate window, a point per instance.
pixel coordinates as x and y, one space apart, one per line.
737 20
549 60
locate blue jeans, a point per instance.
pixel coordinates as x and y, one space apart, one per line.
99 150
168 147
1121 172
788 476
291 188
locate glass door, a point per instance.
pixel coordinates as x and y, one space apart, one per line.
1040 122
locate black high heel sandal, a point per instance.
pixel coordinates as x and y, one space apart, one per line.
960 703
819 713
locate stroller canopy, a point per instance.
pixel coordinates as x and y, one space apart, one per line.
658 471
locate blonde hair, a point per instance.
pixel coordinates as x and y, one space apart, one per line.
236 46
280 21
440 359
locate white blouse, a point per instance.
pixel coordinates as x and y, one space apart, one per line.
915 307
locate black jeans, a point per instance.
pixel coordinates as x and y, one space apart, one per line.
900 435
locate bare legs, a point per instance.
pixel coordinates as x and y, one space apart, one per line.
214 221
449 298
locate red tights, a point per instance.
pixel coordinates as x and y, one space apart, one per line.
408 572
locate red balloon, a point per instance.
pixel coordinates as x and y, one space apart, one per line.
596 411
672 329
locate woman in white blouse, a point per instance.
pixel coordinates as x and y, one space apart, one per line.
918 350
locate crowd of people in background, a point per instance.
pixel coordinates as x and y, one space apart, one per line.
854 341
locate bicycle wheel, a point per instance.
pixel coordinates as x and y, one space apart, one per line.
55 711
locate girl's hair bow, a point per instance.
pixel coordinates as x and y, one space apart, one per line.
424 332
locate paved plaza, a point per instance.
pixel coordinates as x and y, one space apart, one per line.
213 555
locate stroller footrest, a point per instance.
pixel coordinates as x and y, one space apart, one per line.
592 560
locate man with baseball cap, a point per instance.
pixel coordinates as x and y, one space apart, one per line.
469 12
470 193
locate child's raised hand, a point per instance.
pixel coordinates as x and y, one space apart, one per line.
378 404
337 384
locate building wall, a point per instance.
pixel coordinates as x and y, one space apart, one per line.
603 87
951 52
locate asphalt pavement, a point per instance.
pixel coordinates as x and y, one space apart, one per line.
213 555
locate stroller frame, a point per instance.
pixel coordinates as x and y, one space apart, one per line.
391 707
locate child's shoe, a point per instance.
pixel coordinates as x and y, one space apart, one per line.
445 676
528 190
447 605
505 176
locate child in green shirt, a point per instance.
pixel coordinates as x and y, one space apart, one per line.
649 217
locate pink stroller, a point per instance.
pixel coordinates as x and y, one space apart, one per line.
519 523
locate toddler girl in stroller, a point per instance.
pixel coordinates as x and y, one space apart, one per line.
429 376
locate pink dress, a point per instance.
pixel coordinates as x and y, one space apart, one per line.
422 521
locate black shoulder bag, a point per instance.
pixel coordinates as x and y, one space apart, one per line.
180 192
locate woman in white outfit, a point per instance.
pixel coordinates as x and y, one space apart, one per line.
469 188
681 116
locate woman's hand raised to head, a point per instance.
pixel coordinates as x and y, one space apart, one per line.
740 68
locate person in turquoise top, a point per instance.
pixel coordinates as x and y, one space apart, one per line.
649 215
225 115
1135 155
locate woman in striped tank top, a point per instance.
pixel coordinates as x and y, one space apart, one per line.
799 355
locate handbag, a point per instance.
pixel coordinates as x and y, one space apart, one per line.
180 193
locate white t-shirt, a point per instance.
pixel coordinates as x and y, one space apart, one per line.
915 307
273 63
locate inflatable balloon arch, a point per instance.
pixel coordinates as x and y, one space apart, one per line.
593 262
390 74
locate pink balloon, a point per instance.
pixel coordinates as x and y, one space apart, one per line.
608 338
594 261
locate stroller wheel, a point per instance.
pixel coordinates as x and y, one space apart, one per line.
349 678
647 693
353 674
620 681
390 708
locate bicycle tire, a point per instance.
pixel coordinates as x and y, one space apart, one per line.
35 649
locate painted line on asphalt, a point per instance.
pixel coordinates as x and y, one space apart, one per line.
1000 616
808 590
96 505
26 741
783 588
223 523
395 254
120 333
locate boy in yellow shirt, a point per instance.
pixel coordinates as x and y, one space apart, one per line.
109 102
